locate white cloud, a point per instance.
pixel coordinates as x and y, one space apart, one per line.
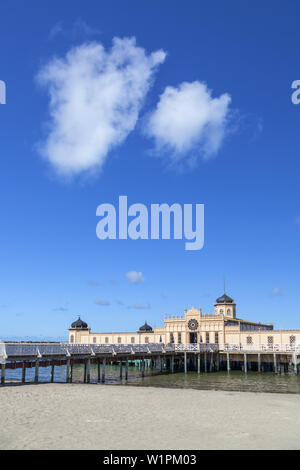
297 220
276 292
140 306
189 119
134 277
101 302
95 99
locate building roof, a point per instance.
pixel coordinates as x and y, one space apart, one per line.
224 299
79 324
145 328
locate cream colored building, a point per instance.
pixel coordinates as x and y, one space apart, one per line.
222 328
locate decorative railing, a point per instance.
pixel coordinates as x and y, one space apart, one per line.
261 348
200 347
23 350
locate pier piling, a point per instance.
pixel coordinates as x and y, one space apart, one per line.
245 363
36 374
228 362
103 370
2 374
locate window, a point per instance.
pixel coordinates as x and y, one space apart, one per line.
216 338
179 338
171 338
207 337
270 340
249 339
94 340
132 340
221 311
146 339
106 340
292 340
119 340
228 311
72 339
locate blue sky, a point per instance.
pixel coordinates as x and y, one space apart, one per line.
53 267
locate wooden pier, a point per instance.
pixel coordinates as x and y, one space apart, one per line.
160 358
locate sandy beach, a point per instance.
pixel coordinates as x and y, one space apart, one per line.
75 416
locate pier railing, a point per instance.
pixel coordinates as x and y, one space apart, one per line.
205 347
39 350
265 348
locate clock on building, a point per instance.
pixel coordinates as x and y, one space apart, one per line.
193 324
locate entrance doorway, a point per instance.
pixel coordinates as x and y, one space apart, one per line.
193 337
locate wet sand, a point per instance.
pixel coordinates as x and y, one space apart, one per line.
75 416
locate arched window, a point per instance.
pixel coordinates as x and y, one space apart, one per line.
72 339
132 340
119 340
171 338
228 311
94 340
146 339
221 311
106 340
292 340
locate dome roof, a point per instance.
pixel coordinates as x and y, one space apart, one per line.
79 324
224 299
145 328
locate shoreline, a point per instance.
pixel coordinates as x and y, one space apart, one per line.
77 416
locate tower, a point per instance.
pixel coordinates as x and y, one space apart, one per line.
225 306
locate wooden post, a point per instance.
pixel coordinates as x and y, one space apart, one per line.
218 361
126 370
185 362
199 363
275 363
228 362
98 372
161 363
36 374
23 373
211 362
2 374
172 364
143 367
84 372
52 372
121 369
295 363
258 363
205 362
68 372
245 363
88 371
103 370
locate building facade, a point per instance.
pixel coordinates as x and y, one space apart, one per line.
223 327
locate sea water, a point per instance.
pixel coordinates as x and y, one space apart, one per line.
232 381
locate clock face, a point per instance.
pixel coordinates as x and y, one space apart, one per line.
193 324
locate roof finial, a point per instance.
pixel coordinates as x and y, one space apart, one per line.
224 285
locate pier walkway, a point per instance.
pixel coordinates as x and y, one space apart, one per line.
162 358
